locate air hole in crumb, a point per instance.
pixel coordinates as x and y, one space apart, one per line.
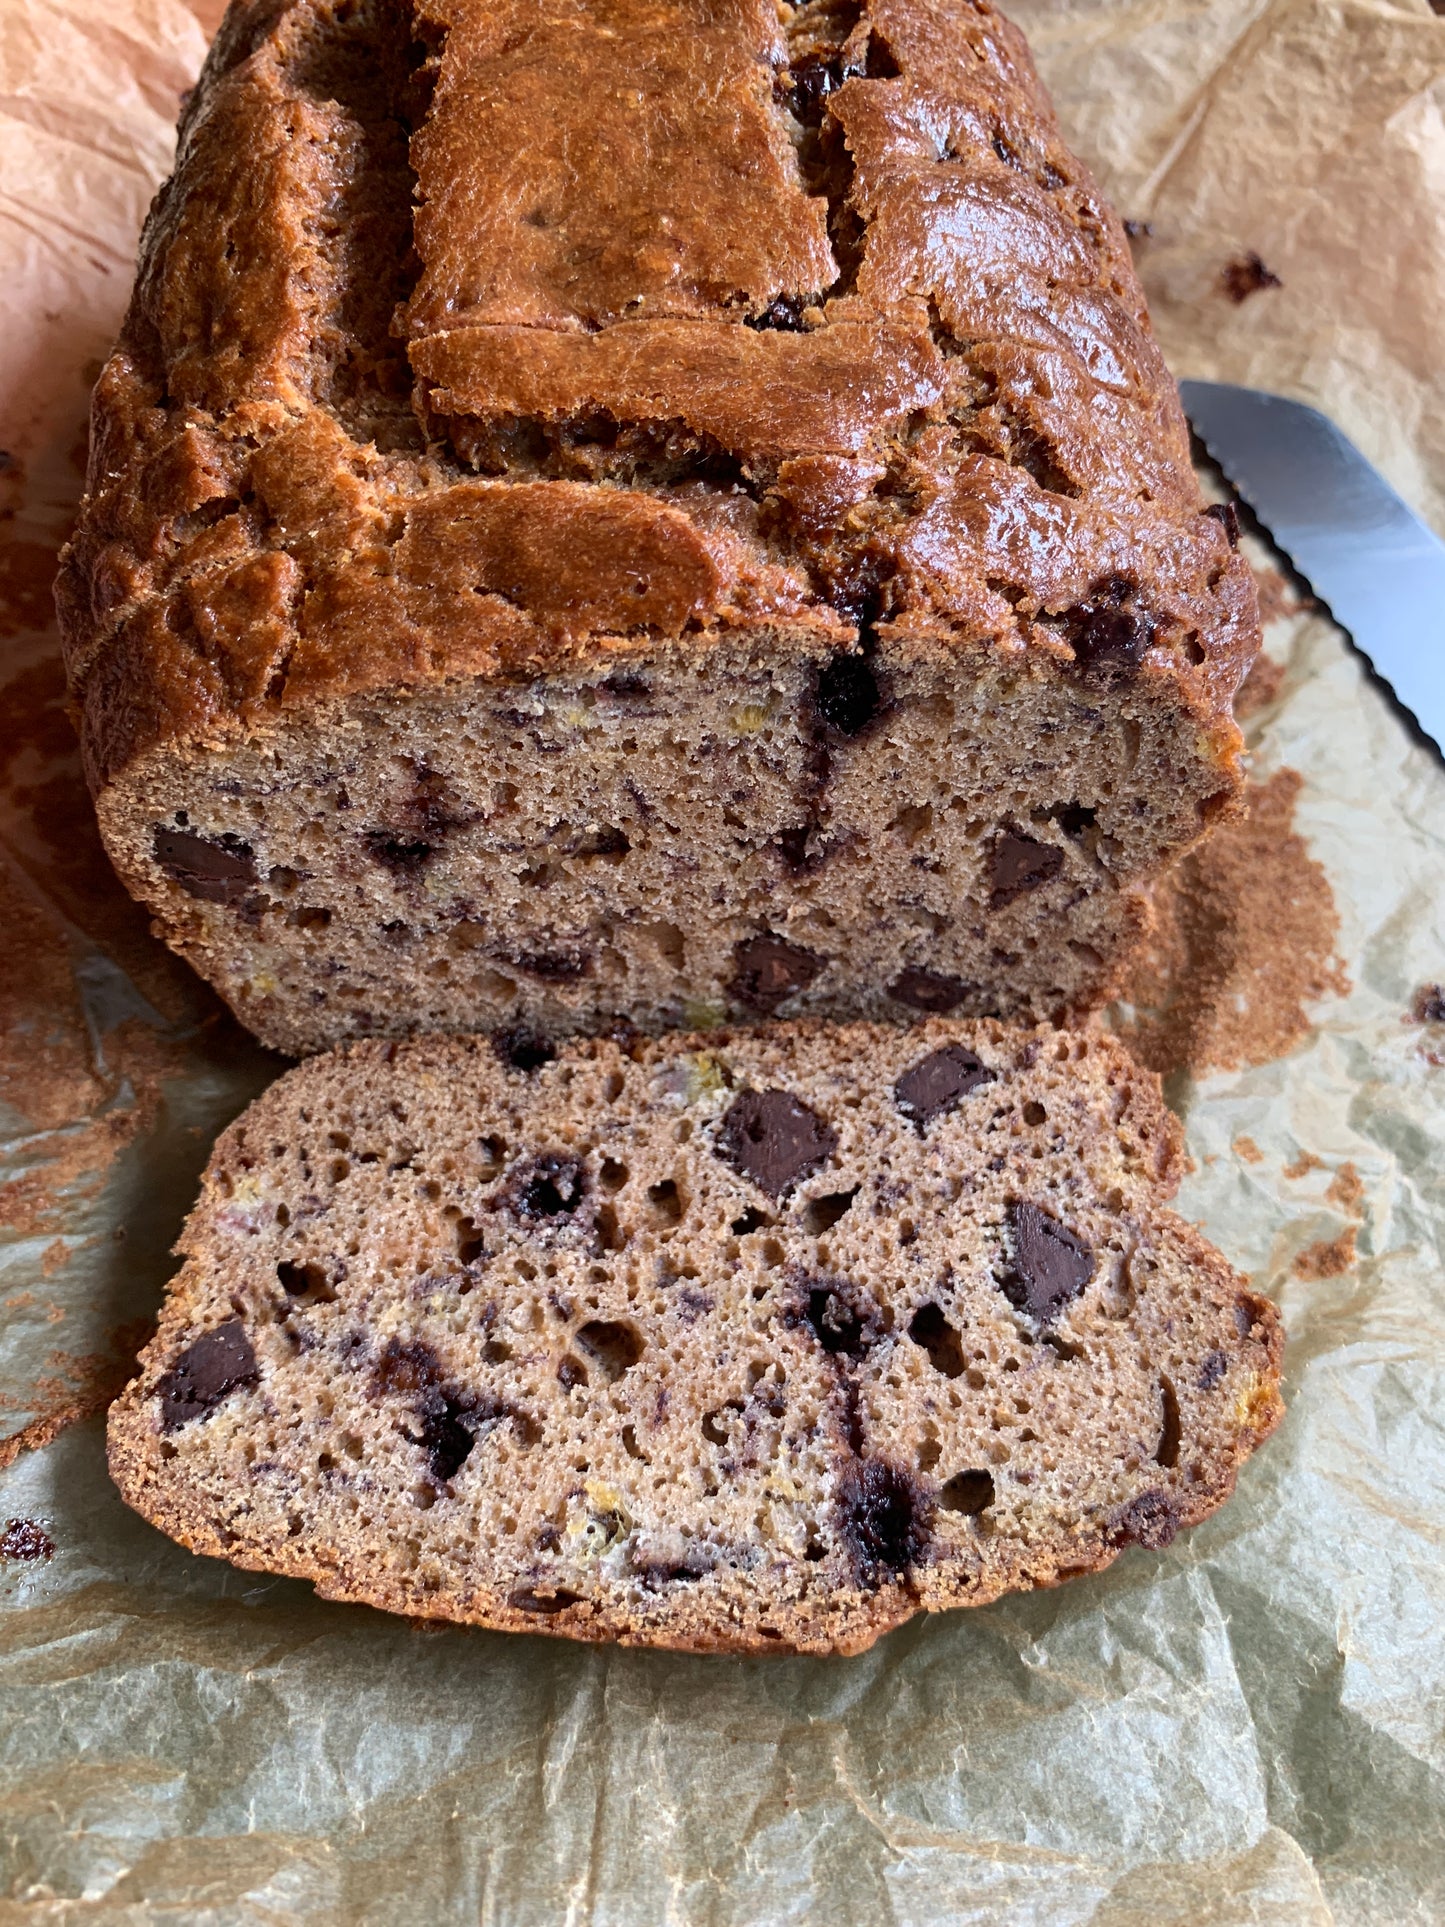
711 1430
751 1220
613 1175
553 1189
469 1241
339 1140
523 1049
283 1215
968 1492
305 1281
571 1371
614 1086
932 1331
614 1348
1035 1114
496 1352
771 1252
847 695
907 1232
929 1454
1169 1431
630 1445
610 1235
666 1201
822 1214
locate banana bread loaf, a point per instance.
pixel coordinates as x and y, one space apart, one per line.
749 1340
668 507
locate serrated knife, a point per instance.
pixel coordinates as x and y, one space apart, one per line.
1365 554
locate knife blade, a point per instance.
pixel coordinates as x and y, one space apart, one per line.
1364 552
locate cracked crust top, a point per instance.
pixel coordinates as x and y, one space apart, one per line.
484 337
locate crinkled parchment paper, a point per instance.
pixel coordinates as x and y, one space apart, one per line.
1249 1727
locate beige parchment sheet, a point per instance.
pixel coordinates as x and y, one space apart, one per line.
1247 1728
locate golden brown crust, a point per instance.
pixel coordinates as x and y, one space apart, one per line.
674 1400
928 370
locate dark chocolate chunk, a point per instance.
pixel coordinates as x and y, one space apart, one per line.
1050 1266
884 1518
929 990
1171 1432
571 1371
1227 515
767 970
1150 1520
1138 230
1212 1368
938 1083
930 1329
967 1492
219 869
205 1373
1018 864
785 313
775 1139
814 77
447 1418
24 1539
523 1049
847 696
1247 275
1108 633
1429 1005
549 1187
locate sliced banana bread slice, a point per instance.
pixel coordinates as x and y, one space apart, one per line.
756 1340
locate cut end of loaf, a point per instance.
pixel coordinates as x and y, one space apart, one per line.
749 1342
682 839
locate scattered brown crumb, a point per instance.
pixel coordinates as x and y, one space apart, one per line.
1247 275
1245 940
1259 688
1303 1165
1246 1148
1429 1005
25 1539
1328 1259
81 1388
1278 596
55 1257
27 571
1346 1193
